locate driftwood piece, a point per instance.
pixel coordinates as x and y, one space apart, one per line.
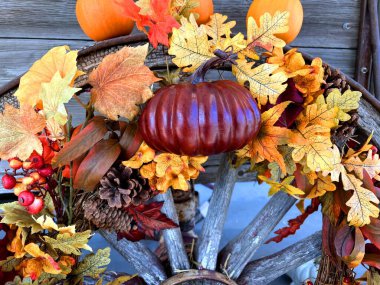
266 269
239 251
173 238
143 260
207 247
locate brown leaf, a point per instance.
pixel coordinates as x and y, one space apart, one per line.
372 231
96 164
81 142
372 256
122 82
130 141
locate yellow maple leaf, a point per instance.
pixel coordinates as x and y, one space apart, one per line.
265 145
183 8
284 185
144 154
264 35
122 82
18 129
345 102
263 84
321 185
362 204
190 45
58 59
54 94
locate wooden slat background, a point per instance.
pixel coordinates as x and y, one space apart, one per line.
28 28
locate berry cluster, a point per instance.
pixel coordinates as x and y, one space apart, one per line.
34 180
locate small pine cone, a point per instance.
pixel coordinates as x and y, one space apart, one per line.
334 79
100 214
123 186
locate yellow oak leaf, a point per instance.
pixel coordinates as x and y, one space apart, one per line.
265 145
54 94
362 204
264 34
59 59
183 8
70 244
217 28
284 185
321 185
18 129
263 84
92 265
122 82
275 170
143 155
190 45
364 148
371 165
345 102
47 223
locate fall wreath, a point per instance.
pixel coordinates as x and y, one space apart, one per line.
146 132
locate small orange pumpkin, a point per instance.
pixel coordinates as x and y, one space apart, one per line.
102 19
204 10
294 7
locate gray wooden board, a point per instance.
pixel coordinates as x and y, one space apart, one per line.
324 20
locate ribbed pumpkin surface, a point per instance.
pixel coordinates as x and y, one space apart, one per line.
200 119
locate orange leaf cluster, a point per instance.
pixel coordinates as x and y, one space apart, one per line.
166 170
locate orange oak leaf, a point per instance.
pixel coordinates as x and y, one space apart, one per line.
265 145
312 81
18 129
320 186
122 82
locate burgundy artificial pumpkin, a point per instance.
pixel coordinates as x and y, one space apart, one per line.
200 118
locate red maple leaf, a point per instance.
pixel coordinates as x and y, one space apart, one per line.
158 24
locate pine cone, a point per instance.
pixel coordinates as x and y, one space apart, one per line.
334 79
123 186
99 213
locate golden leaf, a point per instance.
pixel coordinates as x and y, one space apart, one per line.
322 185
45 261
361 203
281 186
311 82
183 8
47 223
345 102
275 170
265 145
189 45
264 35
371 165
144 154
70 244
54 94
122 82
18 129
197 162
168 162
58 59
17 244
217 28
263 84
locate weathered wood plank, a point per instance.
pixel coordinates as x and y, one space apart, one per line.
266 269
325 23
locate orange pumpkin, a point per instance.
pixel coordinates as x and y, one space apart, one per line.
259 7
204 10
102 19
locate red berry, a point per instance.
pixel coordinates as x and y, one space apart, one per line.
36 160
26 198
308 282
15 163
9 181
36 207
347 280
47 171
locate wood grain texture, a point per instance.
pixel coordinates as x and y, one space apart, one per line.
266 269
240 250
207 247
145 262
173 237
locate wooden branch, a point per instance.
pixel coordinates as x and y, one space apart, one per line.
238 252
375 41
199 277
143 260
266 269
207 247
173 237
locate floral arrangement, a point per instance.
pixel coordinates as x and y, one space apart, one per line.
102 174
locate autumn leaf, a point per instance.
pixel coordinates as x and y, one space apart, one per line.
189 45
345 102
47 223
263 84
18 129
121 83
311 82
9 264
321 185
144 154
54 94
371 165
264 34
275 169
362 203
92 265
284 185
265 145
70 244
183 8
58 59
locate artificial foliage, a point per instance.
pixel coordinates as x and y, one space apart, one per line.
74 179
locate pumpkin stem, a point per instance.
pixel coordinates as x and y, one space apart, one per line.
221 58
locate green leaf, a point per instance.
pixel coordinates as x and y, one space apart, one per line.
9 264
70 244
92 265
